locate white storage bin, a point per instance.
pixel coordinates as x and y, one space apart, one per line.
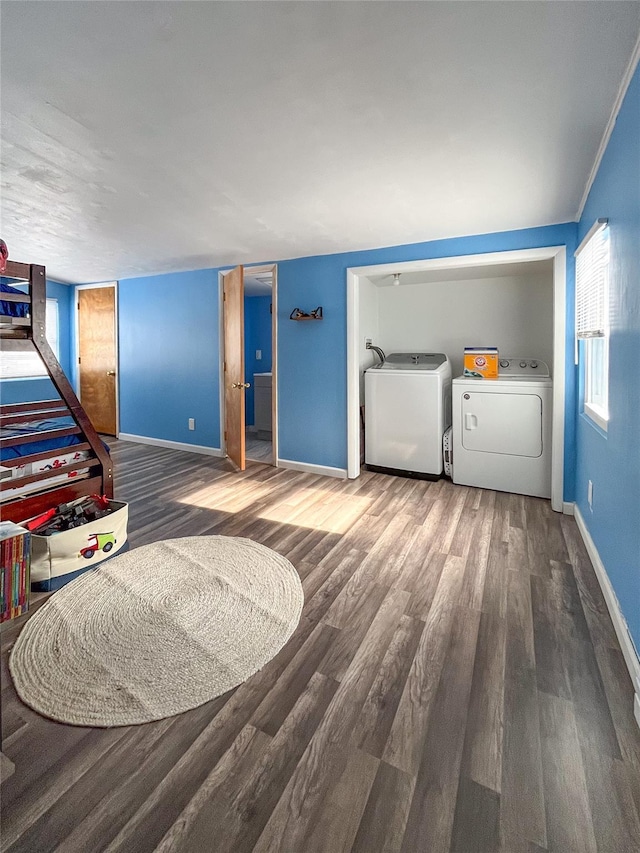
59 558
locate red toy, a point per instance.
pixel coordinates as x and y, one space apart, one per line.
40 519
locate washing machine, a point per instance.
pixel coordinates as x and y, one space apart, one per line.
502 429
407 410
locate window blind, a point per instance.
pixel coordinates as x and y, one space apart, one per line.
592 265
27 365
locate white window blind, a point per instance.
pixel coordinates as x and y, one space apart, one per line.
27 365
592 266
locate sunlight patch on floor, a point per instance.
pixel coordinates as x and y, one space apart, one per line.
238 495
318 509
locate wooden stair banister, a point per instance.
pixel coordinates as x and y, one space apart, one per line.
62 385
29 338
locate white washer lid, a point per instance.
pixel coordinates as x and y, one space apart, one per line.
412 361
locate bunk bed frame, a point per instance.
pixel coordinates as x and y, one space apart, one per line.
26 335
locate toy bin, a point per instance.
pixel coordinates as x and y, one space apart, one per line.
61 557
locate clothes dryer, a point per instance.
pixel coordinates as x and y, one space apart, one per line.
502 429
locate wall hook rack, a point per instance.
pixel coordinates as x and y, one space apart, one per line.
297 314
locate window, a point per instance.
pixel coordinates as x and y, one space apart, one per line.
28 365
592 320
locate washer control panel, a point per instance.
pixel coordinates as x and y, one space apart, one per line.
523 367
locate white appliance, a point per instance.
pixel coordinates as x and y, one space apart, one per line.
262 405
502 429
407 410
447 452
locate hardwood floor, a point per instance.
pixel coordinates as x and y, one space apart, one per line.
455 684
257 450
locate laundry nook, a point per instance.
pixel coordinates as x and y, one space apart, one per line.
482 415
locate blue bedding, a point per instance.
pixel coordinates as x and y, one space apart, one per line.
38 446
13 309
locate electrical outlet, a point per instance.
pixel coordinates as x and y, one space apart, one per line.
258 354
590 495
192 423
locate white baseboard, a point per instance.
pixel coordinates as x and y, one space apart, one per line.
171 445
308 468
568 508
617 617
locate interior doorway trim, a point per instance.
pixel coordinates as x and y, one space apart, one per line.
555 253
257 269
76 342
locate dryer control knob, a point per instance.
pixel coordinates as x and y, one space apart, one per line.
504 363
534 364
523 364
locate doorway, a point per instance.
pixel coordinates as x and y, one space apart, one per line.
358 279
258 351
254 351
97 354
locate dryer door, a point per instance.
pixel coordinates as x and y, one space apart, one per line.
502 423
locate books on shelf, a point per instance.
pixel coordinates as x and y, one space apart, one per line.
15 564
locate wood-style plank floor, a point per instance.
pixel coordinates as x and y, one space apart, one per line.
455 684
258 450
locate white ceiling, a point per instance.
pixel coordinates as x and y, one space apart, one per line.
519 268
257 285
144 137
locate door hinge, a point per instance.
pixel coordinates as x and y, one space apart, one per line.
78 305
225 435
79 360
224 296
225 367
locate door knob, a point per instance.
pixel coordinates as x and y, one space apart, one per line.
111 373
241 385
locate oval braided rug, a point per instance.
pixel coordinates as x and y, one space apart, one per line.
157 631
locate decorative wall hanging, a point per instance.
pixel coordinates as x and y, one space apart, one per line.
297 314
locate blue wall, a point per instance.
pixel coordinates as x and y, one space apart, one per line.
312 384
612 460
169 347
257 336
169 357
26 390
64 294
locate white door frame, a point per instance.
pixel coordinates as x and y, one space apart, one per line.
76 346
254 270
555 253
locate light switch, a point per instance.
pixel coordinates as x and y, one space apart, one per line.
258 354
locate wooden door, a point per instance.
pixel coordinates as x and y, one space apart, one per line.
97 356
234 384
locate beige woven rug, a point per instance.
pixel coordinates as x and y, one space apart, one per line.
157 631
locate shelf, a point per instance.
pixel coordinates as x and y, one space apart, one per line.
298 315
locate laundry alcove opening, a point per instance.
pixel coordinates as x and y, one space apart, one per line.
512 300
